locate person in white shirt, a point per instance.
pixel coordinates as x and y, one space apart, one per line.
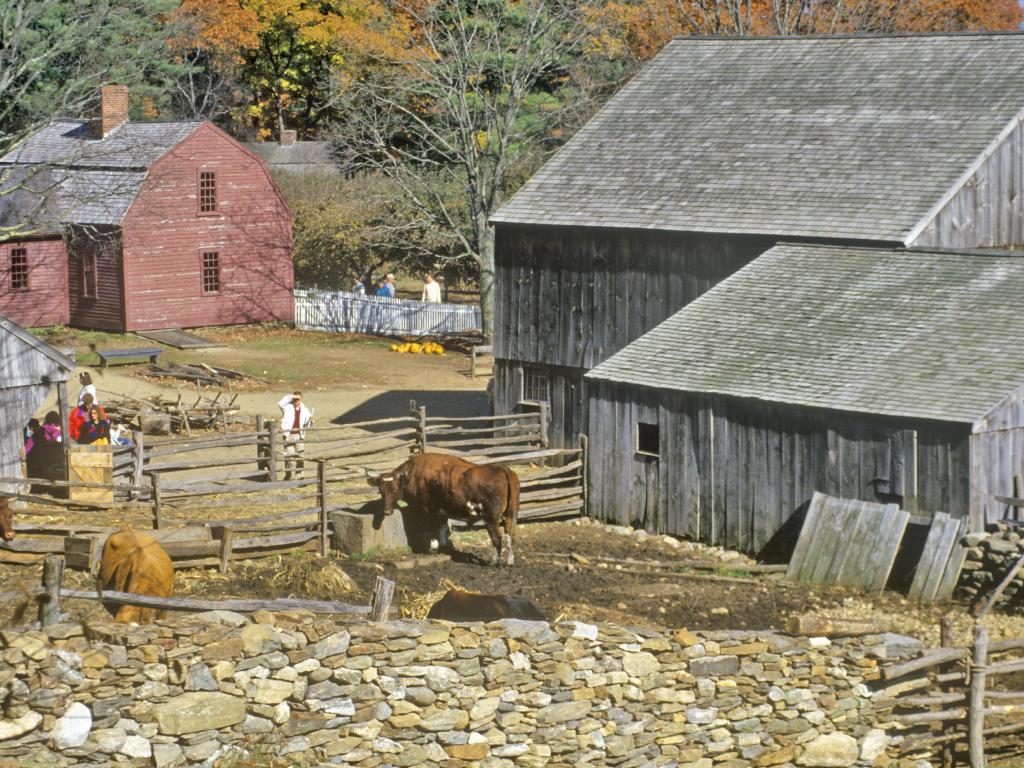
431 289
295 417
88 388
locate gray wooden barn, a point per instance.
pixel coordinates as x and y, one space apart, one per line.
29 369
719 149
881 375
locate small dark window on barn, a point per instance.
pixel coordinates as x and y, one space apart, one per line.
207 191
89 278
536 388
211 272
19 269
648 440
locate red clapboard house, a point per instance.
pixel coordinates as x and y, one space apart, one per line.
142 226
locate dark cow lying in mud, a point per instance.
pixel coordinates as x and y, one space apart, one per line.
437 486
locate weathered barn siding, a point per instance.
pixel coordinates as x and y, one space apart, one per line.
997 446
988 210
165 236
572 296
733 472
105 311
46 300
25 381
567 404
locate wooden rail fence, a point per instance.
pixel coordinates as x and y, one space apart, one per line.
945 698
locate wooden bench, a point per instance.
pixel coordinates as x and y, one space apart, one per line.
153 353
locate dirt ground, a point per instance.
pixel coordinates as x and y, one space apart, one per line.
343 377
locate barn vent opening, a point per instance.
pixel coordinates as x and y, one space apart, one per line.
648 439
536 387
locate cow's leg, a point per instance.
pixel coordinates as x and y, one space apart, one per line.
509 523
495 533
444 537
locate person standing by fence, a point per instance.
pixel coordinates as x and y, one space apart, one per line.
389 284
295 417
431 290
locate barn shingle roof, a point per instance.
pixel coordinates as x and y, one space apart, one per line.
70 176
841 137
932 335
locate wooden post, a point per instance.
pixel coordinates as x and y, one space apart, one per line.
49 605
139 456
226 535
1018 492
976 702
321 497
154 479
261 448
380 603
946 640
65 430
272 443
544 409
585 479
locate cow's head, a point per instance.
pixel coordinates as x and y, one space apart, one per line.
6 521
391 487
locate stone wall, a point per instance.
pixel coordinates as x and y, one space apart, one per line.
512 693
990 556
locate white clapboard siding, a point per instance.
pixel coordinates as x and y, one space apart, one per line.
345 312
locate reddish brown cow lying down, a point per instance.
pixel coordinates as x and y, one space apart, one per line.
6 521
436 486
134 562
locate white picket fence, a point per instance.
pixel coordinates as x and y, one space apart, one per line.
345 312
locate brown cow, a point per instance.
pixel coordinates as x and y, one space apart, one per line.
438 485
6 521
134 562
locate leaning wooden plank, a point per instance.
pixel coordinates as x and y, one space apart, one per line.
889 537
806 537
944 552
860 543
191 604
929 554
846 523
828 539
954 566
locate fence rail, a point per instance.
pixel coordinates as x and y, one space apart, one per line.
344 312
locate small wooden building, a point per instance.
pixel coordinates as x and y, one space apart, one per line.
29 369
721 147
142 226
881 375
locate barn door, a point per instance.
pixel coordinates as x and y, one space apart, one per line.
647 468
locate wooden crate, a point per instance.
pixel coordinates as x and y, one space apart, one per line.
91 464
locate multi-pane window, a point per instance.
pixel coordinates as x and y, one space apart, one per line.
211 272
648 440
536 388
207 191
89 280
19 269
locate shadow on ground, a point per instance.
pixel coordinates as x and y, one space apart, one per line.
450 402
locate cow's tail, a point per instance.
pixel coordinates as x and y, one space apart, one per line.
512 503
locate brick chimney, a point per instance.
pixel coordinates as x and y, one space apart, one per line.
113 108
288 138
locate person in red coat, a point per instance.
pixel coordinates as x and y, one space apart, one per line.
81 414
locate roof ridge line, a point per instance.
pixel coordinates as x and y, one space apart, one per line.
856 35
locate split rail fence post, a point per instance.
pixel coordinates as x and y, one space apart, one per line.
584 473
976 701
544 410
420 414
380 603
321 497
946 635
49 604
272 443
226 535
139 455
261 447
154 479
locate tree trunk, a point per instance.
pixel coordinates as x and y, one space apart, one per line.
486 241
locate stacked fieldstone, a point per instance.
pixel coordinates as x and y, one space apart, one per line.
990 556
508 694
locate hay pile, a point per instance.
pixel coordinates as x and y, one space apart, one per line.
418 605
317 578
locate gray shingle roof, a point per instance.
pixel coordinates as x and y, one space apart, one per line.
843 137
300 157
70 142
77 178
900 332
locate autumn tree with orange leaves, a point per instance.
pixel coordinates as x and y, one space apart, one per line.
637 30
287 61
